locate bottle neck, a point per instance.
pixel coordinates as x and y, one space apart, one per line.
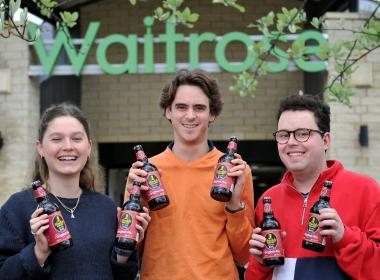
268 212
325 194
135 193
140 155
39 194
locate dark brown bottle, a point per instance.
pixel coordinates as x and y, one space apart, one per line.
57 235
156 194
273 252
223 185
313 240
127 235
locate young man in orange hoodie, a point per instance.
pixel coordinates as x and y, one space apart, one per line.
195 237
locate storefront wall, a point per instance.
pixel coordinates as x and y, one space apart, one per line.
346 122
124 108
19 113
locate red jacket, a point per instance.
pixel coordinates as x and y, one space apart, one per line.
356 198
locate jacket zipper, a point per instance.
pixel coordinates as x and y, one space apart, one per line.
304 207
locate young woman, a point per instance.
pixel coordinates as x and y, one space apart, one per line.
68 168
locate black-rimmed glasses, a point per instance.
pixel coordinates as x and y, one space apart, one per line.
301 135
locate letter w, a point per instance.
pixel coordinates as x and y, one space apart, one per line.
63 38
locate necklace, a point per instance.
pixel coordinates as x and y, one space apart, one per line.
67 208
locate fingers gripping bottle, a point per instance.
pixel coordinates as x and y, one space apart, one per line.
273 252
57 235
313 240
223 185
156 194
127 235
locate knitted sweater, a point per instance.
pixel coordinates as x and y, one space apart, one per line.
356 198
194 237
93 232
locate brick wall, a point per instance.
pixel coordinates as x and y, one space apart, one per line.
365 109
19 112
125 108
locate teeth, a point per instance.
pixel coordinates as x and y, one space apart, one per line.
189 125
67 158
296 154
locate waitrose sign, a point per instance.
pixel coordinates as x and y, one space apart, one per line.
170 38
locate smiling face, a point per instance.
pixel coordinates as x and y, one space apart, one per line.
65 147
190 115
303 158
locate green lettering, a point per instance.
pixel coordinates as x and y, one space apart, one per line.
63 38
220 52
171 38
130 64
278 53
195 41
311 66
148 45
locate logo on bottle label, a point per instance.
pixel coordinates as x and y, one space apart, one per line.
273 244
153 181
125 220
155 185
127 225
221 179
313 231
313 224
271 241
59 223
221 172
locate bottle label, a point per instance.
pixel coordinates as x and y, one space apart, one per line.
57 231
127 225
313 231
325 192
221 179
39 192
232 145
140 155
154 183
273 244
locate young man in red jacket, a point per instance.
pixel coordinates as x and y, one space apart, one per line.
195 237
351 224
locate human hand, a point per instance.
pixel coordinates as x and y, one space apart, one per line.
38 224
257 244
144 220
237 171
136 174
331 224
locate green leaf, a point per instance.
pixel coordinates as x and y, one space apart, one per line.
70 19
133 2
315 23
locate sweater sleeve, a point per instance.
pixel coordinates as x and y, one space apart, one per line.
125 271
358 253
17 258
240 224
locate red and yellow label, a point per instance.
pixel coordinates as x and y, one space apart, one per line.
221 179
273 244
154 183
127 225
57 231
313 231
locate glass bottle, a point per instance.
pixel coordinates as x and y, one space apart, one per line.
156 194
223 185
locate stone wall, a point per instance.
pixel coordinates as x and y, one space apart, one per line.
19 112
